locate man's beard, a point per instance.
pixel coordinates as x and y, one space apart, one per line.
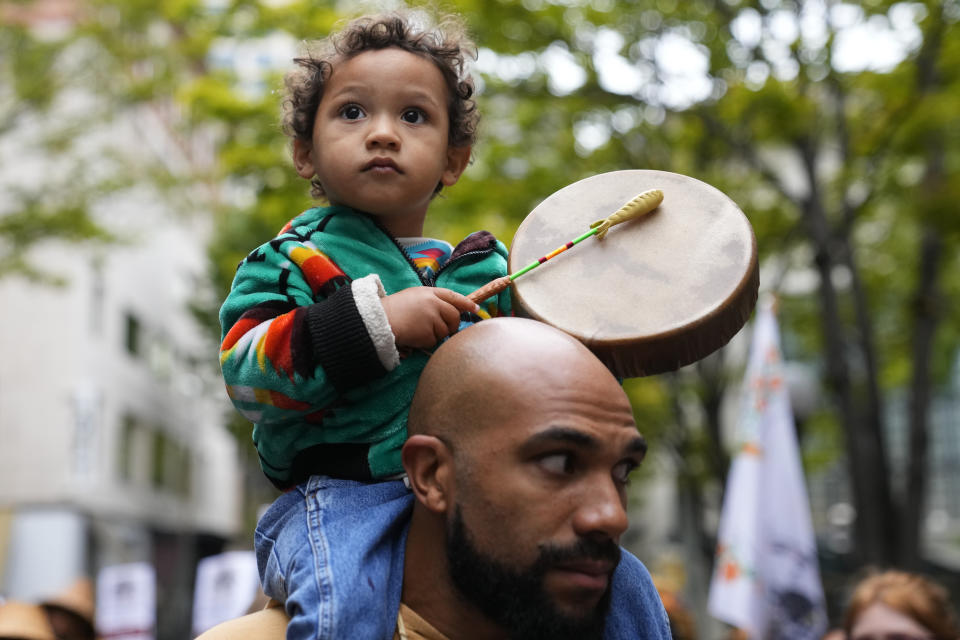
517 600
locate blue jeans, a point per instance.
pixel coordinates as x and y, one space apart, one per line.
332 551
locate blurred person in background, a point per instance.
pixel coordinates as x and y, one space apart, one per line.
682 626
23 621
71 612
669 579
896 605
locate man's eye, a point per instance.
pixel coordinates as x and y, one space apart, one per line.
621 472
351 112
558 463
414 116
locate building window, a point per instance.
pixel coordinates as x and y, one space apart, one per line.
132 334
160 457
134 452
97 296
183 471
125 450
171 470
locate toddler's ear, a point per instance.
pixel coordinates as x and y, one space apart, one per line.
457 160
303 158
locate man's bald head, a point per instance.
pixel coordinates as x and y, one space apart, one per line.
520 449
476 374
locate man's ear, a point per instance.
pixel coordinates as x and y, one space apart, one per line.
303 158
429 466
457 160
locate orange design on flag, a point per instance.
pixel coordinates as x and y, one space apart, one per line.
751 449
731 571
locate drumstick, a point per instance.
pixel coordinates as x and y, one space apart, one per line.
638 206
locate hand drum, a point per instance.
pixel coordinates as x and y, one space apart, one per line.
658 292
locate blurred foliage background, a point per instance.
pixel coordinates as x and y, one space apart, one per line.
832 124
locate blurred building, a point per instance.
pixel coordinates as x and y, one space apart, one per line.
113 446
112 438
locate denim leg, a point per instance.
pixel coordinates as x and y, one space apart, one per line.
636 610
332 551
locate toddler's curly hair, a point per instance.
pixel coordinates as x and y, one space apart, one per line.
444 43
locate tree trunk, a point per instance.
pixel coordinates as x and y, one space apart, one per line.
864 442
712 389
869 431
926 319
926 315
688 483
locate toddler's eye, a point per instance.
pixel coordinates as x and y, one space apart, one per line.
351 112
414 116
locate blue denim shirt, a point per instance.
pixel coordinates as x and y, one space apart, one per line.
332 551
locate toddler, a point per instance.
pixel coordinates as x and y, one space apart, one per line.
328 326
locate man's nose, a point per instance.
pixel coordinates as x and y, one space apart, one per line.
602 511
383 133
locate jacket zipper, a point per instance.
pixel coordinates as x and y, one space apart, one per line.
402 250
475 252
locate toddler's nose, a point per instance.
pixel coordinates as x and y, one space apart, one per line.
383 133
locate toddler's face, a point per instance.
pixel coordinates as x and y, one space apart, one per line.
380 138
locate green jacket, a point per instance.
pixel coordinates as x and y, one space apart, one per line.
300 363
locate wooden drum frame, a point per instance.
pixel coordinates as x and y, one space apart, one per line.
658 292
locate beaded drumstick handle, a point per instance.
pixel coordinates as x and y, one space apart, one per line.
638 206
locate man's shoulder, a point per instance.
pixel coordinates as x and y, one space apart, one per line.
636 611
261 625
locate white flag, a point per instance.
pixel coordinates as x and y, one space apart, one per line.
766 580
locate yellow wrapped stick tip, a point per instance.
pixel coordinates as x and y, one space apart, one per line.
638 206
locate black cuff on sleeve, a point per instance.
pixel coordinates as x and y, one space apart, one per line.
341 343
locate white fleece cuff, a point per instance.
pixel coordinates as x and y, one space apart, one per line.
367 292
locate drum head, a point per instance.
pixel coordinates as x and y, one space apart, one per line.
658 292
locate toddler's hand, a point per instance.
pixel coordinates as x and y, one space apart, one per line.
422 316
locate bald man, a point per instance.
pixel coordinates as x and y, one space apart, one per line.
520 448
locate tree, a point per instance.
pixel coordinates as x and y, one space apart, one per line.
865 122
816 152
33 79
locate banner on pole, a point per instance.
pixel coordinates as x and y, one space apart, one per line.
766 579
